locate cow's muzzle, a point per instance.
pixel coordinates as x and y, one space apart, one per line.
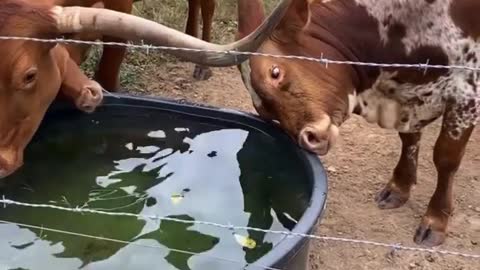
10 161
318 137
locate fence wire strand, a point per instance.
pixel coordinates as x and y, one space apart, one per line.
6 202
42 228
322 60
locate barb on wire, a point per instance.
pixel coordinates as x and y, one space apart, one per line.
425 67
232 227
322 60
42 228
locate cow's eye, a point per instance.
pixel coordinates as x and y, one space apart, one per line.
30 77
275 73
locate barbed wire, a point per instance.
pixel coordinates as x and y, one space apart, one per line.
6 202
43 228
321 60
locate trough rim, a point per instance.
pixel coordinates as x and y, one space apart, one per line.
286 248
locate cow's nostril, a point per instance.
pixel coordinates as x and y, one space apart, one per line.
312 138
93 92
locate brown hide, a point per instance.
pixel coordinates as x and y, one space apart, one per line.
108 69
311 101
31 75
303 93
207 9
311 94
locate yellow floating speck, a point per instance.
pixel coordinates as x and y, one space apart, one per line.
245 241
176 198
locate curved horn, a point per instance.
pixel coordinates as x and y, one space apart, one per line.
130 27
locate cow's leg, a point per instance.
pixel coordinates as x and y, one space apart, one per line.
108 72
208 8
79 52
447 155
192 20
397 190
76 86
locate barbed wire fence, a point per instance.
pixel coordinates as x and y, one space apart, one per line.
422 66
321 59
101 238
6 202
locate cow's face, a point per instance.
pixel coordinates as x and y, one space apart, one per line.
309 100
29 81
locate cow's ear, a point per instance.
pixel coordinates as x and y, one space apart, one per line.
298 13
250 14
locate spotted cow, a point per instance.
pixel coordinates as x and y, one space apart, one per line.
311 100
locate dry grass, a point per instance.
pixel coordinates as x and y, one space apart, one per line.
138 67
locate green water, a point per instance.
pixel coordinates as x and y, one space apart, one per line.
138 161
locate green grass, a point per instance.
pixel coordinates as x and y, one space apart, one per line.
172 13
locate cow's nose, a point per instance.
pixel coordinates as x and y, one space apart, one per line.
9 163
318 137
314 140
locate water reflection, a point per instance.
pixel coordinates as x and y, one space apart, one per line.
201 172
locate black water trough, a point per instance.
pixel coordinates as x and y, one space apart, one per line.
290 253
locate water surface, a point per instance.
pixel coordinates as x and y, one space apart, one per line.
149 163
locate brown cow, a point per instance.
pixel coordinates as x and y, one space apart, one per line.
32 73
310 100
207 8
108 69
112 57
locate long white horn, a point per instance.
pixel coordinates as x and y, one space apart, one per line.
134 28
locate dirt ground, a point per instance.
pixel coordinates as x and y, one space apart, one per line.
358 167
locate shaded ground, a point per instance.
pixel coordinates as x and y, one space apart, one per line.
358 167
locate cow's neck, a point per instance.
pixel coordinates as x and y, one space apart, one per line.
349 29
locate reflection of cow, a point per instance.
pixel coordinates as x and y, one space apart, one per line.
32 73
311 100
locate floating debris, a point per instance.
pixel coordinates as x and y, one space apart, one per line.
157 134
176 198
212 154
290 217
147 149
179 129
245 241
129 146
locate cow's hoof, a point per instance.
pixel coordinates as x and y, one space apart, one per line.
391 197
427 234
202 73
90 97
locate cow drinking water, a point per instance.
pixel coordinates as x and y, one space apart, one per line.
311 100
33 73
